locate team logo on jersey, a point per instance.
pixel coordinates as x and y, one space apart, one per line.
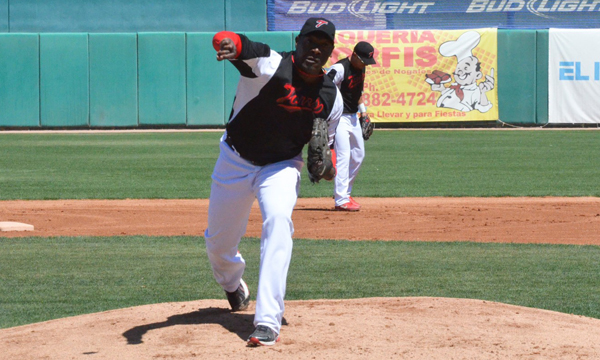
354 80
293 102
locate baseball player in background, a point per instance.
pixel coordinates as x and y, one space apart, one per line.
278 96
349 74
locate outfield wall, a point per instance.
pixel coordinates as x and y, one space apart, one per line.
106 80
50 16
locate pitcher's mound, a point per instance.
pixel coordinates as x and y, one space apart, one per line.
374 328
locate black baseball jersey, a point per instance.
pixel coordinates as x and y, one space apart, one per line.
351 82
273 111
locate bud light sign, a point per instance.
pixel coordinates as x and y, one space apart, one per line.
289 15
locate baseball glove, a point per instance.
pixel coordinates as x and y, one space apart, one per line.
318 159
367 126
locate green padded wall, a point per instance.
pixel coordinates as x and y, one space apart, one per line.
543 41
516 80
64 80
278 41
4 25
118 15
173 79
245 15
19 80
205 87
161 82
113 80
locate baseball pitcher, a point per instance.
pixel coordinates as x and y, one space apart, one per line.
279 99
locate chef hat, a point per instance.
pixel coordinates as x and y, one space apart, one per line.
462 47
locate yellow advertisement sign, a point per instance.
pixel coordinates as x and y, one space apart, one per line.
427 75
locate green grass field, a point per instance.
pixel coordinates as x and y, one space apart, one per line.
398 164
47 278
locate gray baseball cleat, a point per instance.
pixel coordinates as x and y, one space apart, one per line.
263 335
239 299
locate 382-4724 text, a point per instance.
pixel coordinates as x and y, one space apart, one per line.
402 99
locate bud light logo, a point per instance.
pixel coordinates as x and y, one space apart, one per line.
542 8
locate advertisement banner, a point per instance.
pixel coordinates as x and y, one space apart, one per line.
289 15
574 76
427 75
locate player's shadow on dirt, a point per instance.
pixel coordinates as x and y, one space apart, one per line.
240 324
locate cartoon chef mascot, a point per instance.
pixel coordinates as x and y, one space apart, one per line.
464 94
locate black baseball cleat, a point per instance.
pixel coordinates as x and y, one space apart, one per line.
239 299
263 335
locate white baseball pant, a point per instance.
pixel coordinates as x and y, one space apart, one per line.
350 152
236 183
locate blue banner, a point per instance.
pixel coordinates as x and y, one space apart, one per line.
289 15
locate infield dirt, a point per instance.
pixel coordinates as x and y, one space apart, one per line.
374 328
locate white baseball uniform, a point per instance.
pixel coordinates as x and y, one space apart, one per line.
349 143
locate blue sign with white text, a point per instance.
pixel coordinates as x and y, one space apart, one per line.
289 15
